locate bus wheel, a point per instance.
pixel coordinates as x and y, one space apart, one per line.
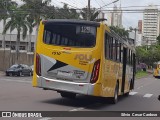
114 100
68 95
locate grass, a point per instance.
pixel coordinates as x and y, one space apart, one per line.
141 74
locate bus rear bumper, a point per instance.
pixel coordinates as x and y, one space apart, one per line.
67 86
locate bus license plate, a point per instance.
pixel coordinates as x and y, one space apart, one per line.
64 73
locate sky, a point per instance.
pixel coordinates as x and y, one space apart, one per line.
129 19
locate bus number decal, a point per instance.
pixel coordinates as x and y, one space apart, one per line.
56 53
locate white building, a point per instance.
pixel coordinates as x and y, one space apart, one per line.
150 29
109 18
11 38
138 37
116 19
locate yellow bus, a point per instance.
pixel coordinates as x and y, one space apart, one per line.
83 57
156 69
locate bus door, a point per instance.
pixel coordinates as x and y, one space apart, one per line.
134 71
124 69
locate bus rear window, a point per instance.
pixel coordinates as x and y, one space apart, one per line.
70 35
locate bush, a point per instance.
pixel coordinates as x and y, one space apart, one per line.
141 67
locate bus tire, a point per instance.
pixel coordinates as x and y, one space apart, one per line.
114 99
68 95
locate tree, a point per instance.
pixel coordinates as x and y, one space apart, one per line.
66 13
31 22
121 31
93 14
19 22
148 56
158 39
36 8
5 8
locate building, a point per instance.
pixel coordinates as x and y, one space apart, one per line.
116 19
10 42
140 27
150 25
11 38
137 36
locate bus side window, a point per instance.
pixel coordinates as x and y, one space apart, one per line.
47 38
107 46
131 58
121 53
111 48
114 49
118 51
128 57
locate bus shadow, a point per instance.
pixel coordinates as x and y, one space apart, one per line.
88 102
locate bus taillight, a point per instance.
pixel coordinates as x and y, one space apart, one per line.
95 72
38 65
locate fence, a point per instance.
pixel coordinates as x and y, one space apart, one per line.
8 58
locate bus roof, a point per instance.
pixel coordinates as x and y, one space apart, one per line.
73 21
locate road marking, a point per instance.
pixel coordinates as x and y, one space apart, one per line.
140 87
46 118
133 93
77 109
147 95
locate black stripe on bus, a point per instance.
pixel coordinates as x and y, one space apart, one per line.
58 64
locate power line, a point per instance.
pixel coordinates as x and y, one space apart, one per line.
98 3
134 6
103 2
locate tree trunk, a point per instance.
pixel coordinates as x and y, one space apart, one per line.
17 46
29 43
4 35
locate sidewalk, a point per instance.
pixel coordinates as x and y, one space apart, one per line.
2 73
150 71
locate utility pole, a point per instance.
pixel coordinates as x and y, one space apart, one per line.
88 10
135 34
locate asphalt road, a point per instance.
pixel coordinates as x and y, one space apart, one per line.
17 94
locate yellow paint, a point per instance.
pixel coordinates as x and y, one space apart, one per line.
156 70
82 58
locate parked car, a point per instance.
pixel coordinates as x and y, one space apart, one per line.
19 70
32 67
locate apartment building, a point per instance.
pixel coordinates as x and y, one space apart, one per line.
150 25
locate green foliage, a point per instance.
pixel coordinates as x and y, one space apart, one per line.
93 14
121 31
148 54
19 22
158 39
66 13
141 74
36 8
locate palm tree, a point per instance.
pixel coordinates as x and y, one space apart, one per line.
120 31
93 14
66 13
5 8
36 9
31 22
19 22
